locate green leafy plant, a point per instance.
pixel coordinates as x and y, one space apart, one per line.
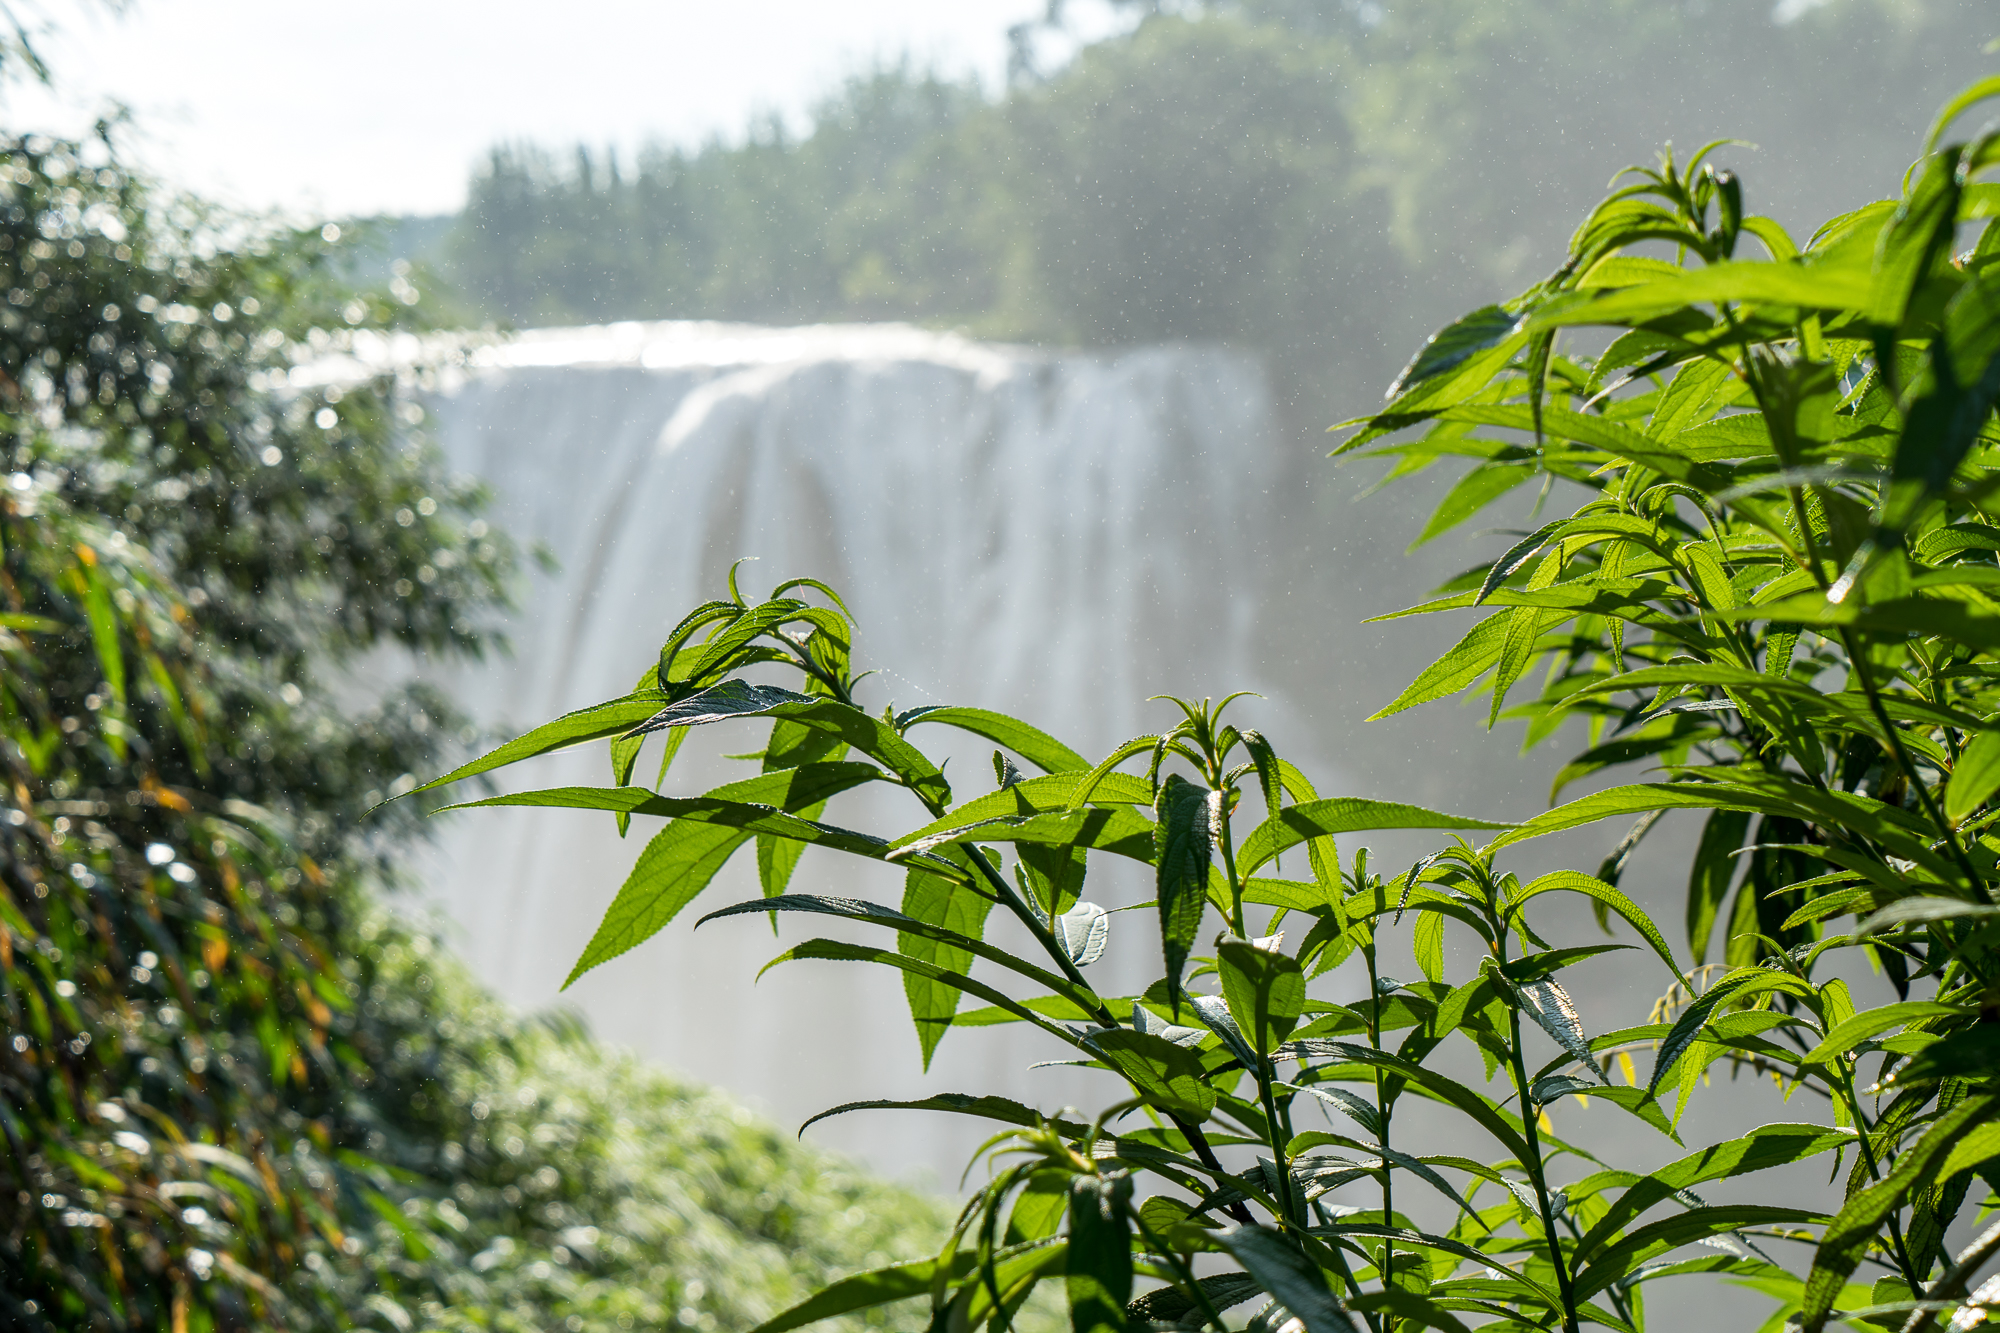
235 1090
1779 586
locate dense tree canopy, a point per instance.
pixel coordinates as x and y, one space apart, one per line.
1261 170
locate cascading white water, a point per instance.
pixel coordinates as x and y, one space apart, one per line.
1051 534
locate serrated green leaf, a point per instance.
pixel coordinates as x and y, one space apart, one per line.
1118 830
1171 1305
1044 795
749 817
1479 1107
1186 817
1694 387
838 951
1265 991
1921 910
1031 743
610 718
1977 1148
1857 1028
1466 661
1696 1224
735 700
1974 778
1098 1276
1761 1149
1427 945
1854 1229
1001 1109
1818 286
1168 1076
1572 881
1743 983
1341 814
865 1291
954 906
1412 1309
1473 492
1972 1053
1453 345
1283 1270
856 909
1954 401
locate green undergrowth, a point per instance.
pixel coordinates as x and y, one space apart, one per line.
583 1188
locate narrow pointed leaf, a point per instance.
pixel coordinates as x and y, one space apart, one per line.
865 1291
955 906
855 909
1098 1276
734 700
1001 1109
685 856
1851 1233
1031 743
1763 1148
1185 834
1282 1269
1341 814
611 718
1974 778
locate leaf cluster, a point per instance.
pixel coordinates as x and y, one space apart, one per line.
1777 584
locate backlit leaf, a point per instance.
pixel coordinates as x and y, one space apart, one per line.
1186 816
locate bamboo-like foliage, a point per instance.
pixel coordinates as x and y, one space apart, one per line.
1781 589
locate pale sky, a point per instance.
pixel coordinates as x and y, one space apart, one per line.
369 106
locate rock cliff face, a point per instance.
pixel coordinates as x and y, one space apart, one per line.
1056 535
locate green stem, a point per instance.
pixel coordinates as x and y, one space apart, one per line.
1909 767
1182 1273
1619 1300
1229 874
1033 921
1292 1208
1381 1109
1189 1130
1862 1127
1530 1114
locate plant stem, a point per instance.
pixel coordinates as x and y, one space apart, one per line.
1182 1273
1954 1283
1202 1149
1041 932
1229 874
1293 1209
1861 1126
1381 1107
1909 767
1530 1114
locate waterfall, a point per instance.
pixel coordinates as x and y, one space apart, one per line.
1053 534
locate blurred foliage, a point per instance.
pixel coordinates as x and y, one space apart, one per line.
1319 178
235 1091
